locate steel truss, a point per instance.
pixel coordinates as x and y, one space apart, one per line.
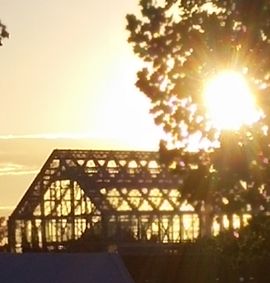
109 196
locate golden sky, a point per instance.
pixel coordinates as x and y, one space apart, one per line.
66 81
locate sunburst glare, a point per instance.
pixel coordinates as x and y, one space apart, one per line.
229 101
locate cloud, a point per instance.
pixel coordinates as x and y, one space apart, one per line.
48 136
25 154
100 140
22 156
31 151
7 169
7 207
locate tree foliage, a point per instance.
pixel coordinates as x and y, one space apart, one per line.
245 252
183 44
3 33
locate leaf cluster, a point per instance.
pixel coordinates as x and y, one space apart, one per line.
184 43
3 33
234 179
248 247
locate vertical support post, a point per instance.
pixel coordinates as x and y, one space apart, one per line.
43 224
206 220
11 235
72 208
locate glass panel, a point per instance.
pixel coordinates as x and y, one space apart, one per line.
145 206
166 206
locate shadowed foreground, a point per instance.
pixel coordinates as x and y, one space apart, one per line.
63 268
196 268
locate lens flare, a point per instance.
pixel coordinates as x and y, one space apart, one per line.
229 101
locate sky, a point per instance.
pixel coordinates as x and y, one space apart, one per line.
67 80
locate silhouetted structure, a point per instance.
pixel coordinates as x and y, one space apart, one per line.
63 268
93 200
125 202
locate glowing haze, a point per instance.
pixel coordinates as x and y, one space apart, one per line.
229 101
66 81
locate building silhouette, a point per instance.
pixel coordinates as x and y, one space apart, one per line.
97 200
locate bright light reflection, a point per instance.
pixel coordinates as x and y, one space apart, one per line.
229 101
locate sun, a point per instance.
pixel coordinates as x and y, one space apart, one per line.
229 101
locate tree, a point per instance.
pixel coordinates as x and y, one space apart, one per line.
3 232
245 254
183 44
3 33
